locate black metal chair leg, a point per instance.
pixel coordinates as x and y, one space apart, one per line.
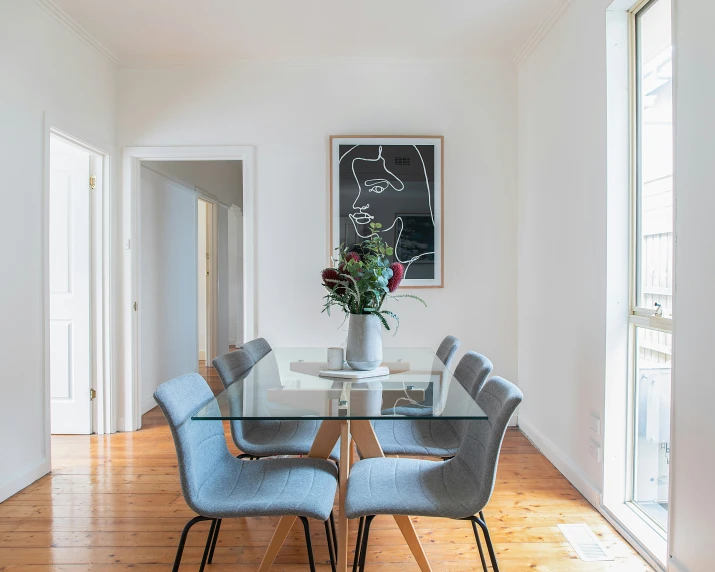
209 542
213 542
357 543
308 544
335 535
479 545
331 552
490 547
182 540
365 536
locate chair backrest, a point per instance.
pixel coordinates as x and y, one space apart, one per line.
200 445
257 349
471 474
447 349
472 372
232 366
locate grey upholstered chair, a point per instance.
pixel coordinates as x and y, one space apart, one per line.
217 485
447 349
434 437
445 354
459 488
256 438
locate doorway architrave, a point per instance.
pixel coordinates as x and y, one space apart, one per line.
129 415
102 375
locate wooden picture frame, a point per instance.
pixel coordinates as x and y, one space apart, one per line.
377 178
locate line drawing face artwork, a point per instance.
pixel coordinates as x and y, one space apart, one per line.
383 181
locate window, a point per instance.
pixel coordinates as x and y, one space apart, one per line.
651 338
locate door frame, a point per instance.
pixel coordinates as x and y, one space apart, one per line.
212 283
129 418
103 419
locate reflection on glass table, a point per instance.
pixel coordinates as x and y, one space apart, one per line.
287 384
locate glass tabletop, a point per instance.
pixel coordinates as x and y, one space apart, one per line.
294 384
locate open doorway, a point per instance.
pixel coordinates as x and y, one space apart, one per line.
205 258
189 245
75 290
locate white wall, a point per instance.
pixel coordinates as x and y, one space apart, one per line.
562 266
235 273
562 239
288 111
168 287
224 283
693 427
201 277
222 179
45 68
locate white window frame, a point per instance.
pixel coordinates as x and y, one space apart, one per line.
639 317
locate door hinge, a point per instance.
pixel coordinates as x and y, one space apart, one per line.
92 182
92 394
135 306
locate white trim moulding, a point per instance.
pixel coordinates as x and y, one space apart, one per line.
68 22
540 32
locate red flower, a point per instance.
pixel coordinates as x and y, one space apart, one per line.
331 277
398 271
354 256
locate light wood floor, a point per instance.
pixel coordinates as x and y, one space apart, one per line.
114 503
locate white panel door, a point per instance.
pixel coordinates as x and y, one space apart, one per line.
69 281
168 287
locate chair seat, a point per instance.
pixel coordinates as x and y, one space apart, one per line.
408 410
414 487
269 487
268 438
428 437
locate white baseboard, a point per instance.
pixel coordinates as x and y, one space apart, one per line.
15 484
232 342
561 461
676 565
202 355
148 405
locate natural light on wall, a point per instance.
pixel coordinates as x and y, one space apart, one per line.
651 339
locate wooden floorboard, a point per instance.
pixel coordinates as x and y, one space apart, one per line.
114 503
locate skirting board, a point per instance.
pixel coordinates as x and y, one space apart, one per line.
15 484
148 405
676 565
565 466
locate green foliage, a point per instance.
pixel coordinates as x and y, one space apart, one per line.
360 281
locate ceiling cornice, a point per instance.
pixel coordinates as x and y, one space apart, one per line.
162 62
68 22
540 32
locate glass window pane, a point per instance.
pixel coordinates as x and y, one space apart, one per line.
652 423
655 157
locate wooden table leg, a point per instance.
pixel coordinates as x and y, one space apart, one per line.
279 536
342 519
323 444
408 531
365 438
325 439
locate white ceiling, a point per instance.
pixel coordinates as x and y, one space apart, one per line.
147 31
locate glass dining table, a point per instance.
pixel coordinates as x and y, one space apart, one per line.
294 384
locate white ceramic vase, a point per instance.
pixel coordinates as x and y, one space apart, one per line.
364 351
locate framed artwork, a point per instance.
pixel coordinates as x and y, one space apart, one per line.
396 181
